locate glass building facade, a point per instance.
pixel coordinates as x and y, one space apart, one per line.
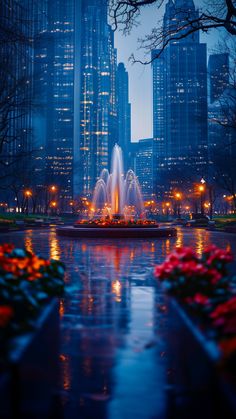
54 81
98 104
179 100
123 112
144 166
218 73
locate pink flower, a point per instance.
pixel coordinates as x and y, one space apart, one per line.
215 254
224 316
201 299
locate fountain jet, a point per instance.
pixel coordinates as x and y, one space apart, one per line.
122 195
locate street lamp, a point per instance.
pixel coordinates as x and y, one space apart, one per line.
71 204
178 197
54 206
167 204
201 189
207 205
27 194
53 188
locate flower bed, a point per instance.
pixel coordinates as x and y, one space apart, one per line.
202 330
115 223
29 330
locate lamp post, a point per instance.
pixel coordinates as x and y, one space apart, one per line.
53 188
27 194
53 206
167 208
72 206
178 197
201 189
52 196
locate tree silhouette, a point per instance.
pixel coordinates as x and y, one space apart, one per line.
215 14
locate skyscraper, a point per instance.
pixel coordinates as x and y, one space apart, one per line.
179 99
123 112
76 62
144 166
221 102
218 71
98 101
55 59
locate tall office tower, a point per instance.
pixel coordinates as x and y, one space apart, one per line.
98 101
221 101
179 100
60 97
123 112
218 73
144 166
57 84
16 33
222 130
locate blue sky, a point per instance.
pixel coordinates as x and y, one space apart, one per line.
140 76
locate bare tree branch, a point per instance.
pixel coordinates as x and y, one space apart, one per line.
218 15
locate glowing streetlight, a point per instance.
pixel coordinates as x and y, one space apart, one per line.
28 194
202 189
178 197
167 205
53 188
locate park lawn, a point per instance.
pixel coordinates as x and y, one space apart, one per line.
225 221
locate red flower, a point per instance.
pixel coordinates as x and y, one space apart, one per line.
225 309
6 248
200 299
215 254
224 316
214 276
6 313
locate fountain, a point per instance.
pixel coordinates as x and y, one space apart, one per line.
117 208
117 194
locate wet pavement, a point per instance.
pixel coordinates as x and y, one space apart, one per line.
113 357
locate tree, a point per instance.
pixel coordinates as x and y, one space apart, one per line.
15 90
216 14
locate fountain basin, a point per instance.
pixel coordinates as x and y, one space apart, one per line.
114 232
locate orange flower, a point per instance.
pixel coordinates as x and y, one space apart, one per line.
6 313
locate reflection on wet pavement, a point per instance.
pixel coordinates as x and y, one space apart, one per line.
113 360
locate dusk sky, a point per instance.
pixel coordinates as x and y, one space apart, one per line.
140 76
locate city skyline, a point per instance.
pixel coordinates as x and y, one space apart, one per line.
117 209
140 75
81 104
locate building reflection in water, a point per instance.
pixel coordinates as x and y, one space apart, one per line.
54 246
98 313
111 298
202 240
28 241
180 238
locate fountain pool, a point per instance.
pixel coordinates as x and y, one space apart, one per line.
117 208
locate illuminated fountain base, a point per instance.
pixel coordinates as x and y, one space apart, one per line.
116 228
